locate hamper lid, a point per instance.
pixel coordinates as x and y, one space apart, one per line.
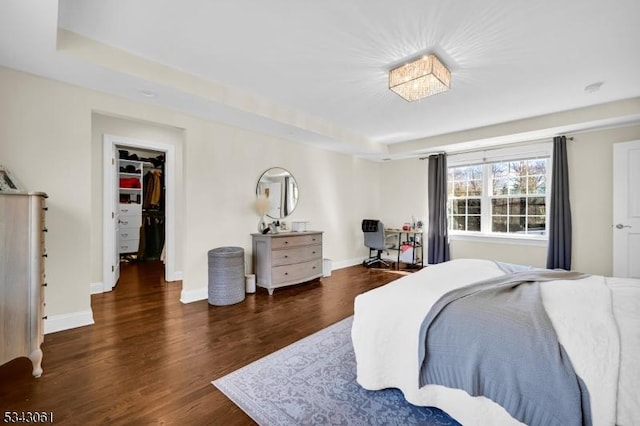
226 251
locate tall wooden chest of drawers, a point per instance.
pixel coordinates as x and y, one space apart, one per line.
286 258
22 279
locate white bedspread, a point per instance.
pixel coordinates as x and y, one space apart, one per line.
387 320
626 303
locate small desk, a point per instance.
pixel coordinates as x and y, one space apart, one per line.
413 239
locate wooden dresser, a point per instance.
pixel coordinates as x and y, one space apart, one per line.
286 258
22 253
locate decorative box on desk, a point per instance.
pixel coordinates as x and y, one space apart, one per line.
286 258
299 225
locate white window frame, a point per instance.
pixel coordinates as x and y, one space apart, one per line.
493 155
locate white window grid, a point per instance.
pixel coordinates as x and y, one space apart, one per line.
504 156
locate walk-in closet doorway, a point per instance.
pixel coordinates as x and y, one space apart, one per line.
139 205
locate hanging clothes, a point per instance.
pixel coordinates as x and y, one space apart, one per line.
152 235
153 187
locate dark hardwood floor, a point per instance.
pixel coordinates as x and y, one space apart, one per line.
149 359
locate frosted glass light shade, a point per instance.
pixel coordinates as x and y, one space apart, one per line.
421 78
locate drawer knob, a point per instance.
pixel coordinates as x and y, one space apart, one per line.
45 209
313 252
286 256
44 317
45 255
45 230
286 273
313 267
44 284
286 242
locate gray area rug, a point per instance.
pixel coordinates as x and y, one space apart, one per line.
313 382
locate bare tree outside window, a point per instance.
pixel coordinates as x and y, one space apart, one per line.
465 197
514 202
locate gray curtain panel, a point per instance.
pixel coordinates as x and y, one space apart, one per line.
438 235
559 250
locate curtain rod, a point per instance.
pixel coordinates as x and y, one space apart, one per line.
493 148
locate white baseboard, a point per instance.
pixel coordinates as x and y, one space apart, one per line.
177 276
55 323
95 288
346 263
189 296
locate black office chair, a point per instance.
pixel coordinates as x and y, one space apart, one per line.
375 240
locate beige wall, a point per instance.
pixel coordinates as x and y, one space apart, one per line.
504 252
223 165
591 178
49 134
405 192
45 140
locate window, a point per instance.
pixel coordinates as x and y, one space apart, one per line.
464 197
500 197
517 195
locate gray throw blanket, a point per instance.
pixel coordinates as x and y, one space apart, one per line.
495 339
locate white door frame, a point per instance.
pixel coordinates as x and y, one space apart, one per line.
109 208
626 209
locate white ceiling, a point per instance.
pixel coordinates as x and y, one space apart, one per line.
316 71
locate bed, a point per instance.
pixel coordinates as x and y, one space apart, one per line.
596 320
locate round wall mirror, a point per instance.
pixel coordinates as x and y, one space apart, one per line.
279 187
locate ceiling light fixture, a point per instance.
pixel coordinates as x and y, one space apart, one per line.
147 93
421 78
594 87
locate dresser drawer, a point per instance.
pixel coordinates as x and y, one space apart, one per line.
128 246
295 241
296 272
128 234
130 209
130 221
296 255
